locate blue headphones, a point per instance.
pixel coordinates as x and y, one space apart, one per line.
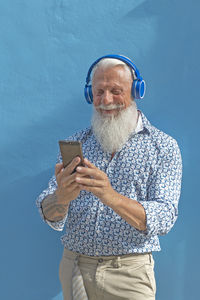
138 86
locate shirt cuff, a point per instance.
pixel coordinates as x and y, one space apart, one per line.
58 225
160 217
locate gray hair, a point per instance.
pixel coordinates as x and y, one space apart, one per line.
112 62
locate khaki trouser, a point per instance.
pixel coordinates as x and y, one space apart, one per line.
127 277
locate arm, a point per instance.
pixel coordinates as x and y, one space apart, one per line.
53 203
157 214
52 209
164 191
50 190
130 210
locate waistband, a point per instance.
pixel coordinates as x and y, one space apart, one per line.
113 259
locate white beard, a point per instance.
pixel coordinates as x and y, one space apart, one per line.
112 132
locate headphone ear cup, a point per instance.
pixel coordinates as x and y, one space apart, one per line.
138 89
88 93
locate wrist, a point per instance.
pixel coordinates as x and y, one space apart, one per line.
111 199
60 200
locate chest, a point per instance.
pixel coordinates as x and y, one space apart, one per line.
130 168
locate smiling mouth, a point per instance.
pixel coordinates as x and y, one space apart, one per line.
110 107
109 110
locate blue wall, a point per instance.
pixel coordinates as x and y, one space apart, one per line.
46 48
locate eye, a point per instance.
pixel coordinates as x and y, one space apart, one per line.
99 92
116 91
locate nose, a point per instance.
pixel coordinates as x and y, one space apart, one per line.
107 98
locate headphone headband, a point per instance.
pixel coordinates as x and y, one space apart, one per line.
125 59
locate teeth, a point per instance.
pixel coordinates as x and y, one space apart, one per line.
109 107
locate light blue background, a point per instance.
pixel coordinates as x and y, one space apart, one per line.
46 48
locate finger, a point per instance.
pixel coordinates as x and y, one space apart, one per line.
96 173
81 175
71 178
73 164
72 187
58 168
94 190
90 181
66 180
89 164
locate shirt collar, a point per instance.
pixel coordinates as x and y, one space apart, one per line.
143 124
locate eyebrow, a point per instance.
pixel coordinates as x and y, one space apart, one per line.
116 86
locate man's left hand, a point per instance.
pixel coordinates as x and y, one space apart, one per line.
96 182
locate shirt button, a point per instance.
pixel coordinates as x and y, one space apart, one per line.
100 260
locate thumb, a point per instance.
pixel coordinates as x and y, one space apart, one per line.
58 168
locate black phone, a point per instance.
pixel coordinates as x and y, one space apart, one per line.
69 150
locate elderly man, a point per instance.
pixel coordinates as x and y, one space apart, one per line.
124 196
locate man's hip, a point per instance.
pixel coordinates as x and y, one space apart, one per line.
129 277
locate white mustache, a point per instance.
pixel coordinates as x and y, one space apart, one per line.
109 107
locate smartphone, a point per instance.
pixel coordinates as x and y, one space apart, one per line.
69 150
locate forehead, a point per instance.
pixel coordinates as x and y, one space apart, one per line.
111 76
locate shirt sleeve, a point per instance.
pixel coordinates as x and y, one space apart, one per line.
52 186
163 193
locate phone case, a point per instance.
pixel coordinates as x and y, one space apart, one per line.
69 150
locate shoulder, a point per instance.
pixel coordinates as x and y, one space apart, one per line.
163 142
163 139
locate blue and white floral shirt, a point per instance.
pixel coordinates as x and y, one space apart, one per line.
148 169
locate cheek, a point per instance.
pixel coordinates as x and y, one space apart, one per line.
122 100
127 98
128 102
95 100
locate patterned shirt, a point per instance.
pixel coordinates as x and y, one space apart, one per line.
148 169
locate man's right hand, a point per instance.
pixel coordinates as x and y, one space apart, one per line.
68 189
